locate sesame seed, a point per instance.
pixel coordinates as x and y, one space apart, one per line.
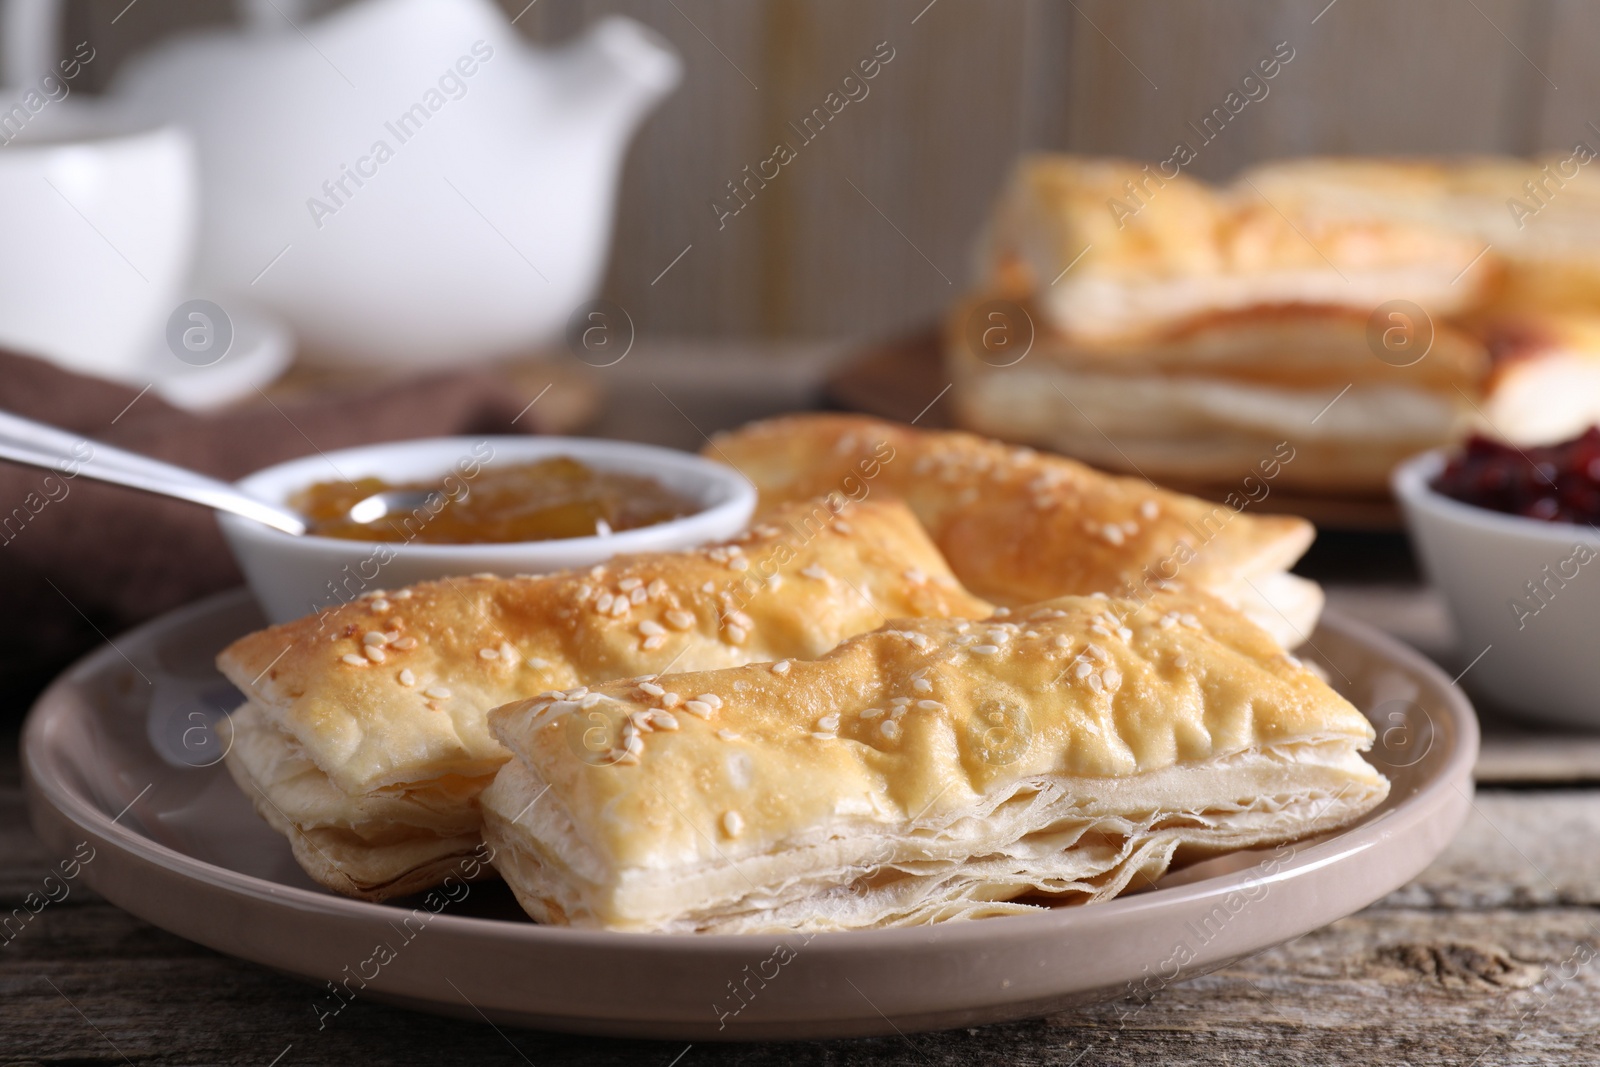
590 700
916 576
781 667
404 594
1083 669
930 705
1112 533
843 527
708 587
576 693
732 823
829 723
597 572
657 587
727 735
374 653
603 604
406 677
652 688
1096 684
380 604
739 618
736 634
437 692
1125 633
653 642
638 596
508 653
738 563
811 570
889 728
670 700
488 653
985 650
1149 509
650 628
922 685
627 585
663 720
679 620
1181 661
871 713
404 644
538 664
697 707
1112 676
373 637
711 699
354 660
619 607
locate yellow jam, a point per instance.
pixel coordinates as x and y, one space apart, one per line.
543 501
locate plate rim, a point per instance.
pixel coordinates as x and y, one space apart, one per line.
80 811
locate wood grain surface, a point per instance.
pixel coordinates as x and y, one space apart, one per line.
1486 958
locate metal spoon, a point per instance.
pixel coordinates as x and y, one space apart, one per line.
36 444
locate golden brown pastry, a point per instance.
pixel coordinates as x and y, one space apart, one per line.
1206 402
1543 384
1115 250
927 771
1018 526
364 737
1540 217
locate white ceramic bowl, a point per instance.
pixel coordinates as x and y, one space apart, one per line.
295 576
1541 659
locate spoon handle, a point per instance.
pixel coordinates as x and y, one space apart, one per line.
36 444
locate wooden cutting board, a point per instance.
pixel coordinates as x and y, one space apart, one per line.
903 378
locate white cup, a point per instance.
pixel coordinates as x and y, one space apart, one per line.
99 213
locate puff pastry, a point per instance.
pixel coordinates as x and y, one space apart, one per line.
1019 526
1115 250
1541 216
1206 402
364 737
927 771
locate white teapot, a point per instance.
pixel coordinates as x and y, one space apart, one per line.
406 181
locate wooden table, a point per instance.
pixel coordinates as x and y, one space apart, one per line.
1487 958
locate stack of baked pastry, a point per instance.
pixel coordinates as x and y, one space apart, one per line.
1358 311
938 678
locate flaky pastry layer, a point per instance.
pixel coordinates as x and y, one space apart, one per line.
1017 525
932 769
370 721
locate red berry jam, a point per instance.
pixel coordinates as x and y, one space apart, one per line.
1557 483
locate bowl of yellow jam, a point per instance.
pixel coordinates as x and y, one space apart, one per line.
501 505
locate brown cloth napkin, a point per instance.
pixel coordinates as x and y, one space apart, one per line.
81 560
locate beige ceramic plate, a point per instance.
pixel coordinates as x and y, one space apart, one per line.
120 752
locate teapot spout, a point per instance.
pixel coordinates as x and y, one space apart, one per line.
621 66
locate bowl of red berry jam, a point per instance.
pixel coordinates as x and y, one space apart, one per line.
1556 483
1510 536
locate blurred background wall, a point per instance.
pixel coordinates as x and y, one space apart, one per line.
869 228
